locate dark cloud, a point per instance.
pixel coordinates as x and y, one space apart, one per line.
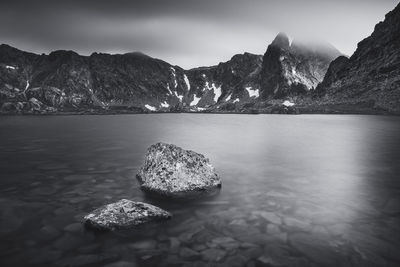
184 32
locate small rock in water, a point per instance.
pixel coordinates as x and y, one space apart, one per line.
121 264
144 245
298 224
188 253
73 227
213 254
174 172
87 260
48 232
68 242
227 243
199 247
269 216
124 214
77 177
174 244
273 229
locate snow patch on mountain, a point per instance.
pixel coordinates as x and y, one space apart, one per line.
174 74
228 98
27 85
195 100
288 103
169 90
150 107
206 86
179 96
10 67
216 89
165 104
186 81
217 92
295 77
252 92
236 100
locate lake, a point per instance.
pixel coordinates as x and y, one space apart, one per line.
306 190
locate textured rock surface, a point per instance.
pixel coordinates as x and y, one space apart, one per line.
124 214
172 171
372 74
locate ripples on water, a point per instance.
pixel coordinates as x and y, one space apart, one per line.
297 190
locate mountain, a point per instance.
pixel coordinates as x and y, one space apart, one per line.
293 68
371 76
64 81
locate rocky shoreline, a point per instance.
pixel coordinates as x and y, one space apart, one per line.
300 105
326 109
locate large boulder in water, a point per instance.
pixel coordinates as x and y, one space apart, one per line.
124 214
171 171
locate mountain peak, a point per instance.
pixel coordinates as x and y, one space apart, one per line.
281 41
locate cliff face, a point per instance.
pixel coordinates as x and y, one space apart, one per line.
66 81
372 74
291 69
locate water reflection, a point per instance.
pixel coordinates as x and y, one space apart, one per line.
297 190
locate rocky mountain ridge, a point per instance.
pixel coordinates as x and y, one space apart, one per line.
371 76
64 81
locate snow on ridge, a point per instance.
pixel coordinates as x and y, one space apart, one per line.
252 92
150 107
195 100
288 103
27 85
229 97
174 74
169 89
217 90
201 109
236 100
295 77
179 96
206 86
165 104
186 81
10 67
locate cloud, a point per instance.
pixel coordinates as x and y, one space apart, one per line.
184 32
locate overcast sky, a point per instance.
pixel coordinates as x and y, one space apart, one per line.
189 33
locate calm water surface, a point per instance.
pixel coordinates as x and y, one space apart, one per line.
311 190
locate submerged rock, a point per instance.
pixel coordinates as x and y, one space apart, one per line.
174 172
124 214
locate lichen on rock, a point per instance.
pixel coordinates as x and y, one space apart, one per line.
171 171
124 214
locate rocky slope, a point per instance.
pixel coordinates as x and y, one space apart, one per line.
65 81
371 76
294 68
